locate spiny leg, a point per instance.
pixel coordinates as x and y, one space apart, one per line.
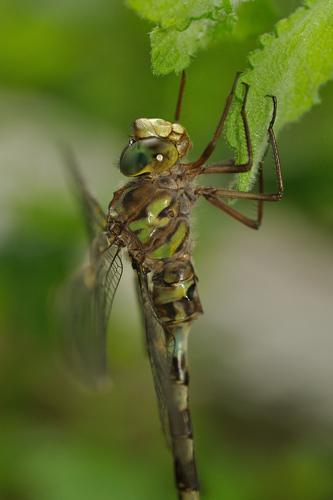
238 195
229 166
197 165
180 96
236 214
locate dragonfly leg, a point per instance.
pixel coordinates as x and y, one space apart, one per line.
230 167
215 200
196 166
180 96
243 195
214 195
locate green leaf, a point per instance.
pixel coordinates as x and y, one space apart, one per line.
183 28
292 65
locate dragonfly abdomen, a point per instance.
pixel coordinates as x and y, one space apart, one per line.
175 294
176 303
180 422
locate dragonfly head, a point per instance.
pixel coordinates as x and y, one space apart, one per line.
155 147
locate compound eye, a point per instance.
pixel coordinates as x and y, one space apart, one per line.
148 155
134 159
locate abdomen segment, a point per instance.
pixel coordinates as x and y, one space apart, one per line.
175 295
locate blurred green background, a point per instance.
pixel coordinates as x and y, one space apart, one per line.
261 356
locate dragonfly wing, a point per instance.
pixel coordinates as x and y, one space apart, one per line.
94 216
157 352
89 299
91 291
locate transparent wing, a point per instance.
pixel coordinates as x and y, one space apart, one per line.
93 214
90 293
89 300
157 353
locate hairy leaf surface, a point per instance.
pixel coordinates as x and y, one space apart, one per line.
292 65
183 28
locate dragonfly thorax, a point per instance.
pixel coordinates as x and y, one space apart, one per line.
155 147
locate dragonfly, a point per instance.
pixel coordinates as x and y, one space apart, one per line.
149 218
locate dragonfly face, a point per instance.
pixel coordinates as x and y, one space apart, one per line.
155 147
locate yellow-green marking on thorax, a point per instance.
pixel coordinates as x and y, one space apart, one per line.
145 226
169 248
